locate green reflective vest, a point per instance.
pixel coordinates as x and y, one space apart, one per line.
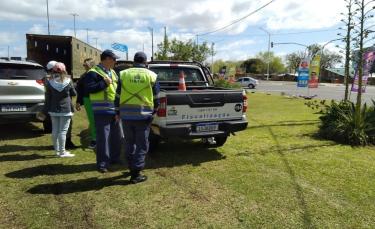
136 98
103 101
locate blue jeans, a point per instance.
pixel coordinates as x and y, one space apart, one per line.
136 143
60 126
108 140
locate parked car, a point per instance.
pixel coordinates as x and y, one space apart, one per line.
21 91
248 82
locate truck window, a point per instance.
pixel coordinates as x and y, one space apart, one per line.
172 74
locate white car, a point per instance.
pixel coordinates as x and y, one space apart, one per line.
248 82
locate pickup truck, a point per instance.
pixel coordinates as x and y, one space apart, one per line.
203 111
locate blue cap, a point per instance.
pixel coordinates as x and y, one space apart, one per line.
108 53
140 57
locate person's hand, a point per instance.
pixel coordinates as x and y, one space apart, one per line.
117 118
108 80
78 106
41 116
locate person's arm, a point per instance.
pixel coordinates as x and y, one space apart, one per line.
47 98
94 83
117 99
80 91
155 92
72 90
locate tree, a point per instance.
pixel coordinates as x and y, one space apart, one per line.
349 26
184 51
362 31
293 60
253 65
276 64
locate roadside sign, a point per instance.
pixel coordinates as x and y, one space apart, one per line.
368 62
314 72
303 73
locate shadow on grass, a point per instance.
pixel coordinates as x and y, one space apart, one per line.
19 157
177 153
287 123
306 215
83 185
19 131
21 148
50 170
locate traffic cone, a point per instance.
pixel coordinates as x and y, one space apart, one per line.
181 82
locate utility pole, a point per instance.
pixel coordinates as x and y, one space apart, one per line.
74 22
212 57
87 35
48 18
269 54
152 42
96 42
8 53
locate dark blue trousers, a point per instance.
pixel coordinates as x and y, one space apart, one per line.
108 140
136 142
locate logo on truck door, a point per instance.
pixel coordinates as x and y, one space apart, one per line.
238 107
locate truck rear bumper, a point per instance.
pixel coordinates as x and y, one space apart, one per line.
189 130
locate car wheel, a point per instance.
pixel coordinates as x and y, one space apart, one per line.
251 86
154 141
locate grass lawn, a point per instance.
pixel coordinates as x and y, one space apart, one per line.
276 174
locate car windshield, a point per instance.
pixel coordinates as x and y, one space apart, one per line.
173 73
20 71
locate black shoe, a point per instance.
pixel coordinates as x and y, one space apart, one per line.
92 145
70 145
103 170
137 178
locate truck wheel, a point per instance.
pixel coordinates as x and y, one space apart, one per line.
214 142
154 141
47 125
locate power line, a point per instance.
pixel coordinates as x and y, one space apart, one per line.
236 21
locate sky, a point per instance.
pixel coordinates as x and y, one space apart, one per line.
129 22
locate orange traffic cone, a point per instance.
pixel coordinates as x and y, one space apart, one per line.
181 82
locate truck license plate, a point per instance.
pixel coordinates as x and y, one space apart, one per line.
13 108
207 127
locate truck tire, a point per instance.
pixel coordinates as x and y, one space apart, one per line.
154 141
219 141
47 125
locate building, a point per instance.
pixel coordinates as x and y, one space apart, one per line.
335 75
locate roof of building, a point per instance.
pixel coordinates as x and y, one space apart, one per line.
341 71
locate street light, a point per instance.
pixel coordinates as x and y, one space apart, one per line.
74 21
269 54
96 42
152 42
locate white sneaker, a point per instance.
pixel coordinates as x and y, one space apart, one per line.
67 154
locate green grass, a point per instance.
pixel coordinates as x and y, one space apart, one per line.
276 174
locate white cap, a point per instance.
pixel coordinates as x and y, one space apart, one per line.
51 64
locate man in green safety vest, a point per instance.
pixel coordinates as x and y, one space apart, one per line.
138 100
101 82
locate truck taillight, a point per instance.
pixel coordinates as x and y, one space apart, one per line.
244 107
41 82
162 109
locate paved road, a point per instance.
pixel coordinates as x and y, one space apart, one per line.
324 91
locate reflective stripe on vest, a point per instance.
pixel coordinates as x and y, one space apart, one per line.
136 99
104 100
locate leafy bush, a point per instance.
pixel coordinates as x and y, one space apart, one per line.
341 123
226 84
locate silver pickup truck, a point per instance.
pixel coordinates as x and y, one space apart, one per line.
202 111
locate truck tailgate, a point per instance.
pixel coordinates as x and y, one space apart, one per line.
203 106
